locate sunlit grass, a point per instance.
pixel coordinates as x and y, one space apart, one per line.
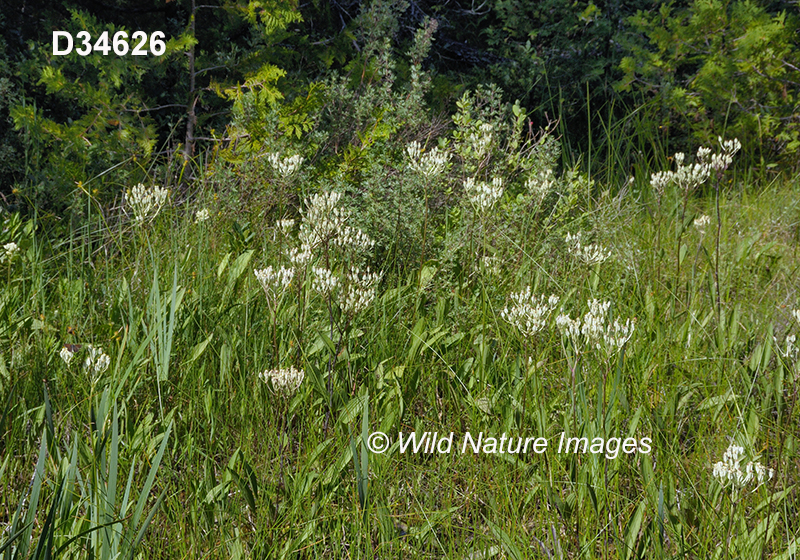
236 467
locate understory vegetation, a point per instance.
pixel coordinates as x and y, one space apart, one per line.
195 350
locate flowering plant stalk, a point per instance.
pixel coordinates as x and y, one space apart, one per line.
429 166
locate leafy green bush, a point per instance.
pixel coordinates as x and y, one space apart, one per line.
720 67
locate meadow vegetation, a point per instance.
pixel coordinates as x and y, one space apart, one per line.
193 368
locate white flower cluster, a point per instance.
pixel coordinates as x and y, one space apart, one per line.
482 195
790 350
729 469
285 166
428 164
353 238
300 257
97 360
491 264
721 161
146 202
10 250
274 281
66 354
284 380
323 219
324 281
689 177
540 185
590 254
701 223
325 223
686 177
529 312
480 141
286 225
617 334
593 330
201 216
359 291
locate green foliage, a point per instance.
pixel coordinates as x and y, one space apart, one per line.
261 258
272 16
721 68
261 473
90 510
92 125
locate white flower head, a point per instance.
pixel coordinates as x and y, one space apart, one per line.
323 219
353 238
66 355
324 281
359 291
10 250
590 254
529 312
593 330
97 360
285 167
284 380
686 177
790 349
429 164
660 180
701 223
721 161
274 281
201 216
482 195
146 202
300 257
286 225
702 155
729 470
481 140
540 185
617 334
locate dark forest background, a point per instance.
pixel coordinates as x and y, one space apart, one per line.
658 76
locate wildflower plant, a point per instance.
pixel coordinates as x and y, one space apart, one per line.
285 167
427 164
327 264
146 202
285 381
592 253
687 178
735 477
529 312
729 470
594 330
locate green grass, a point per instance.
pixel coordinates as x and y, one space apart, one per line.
181 427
